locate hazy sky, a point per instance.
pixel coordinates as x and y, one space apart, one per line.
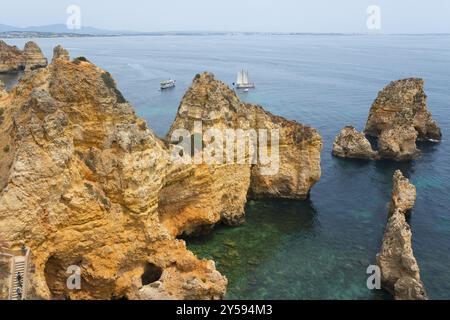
397 16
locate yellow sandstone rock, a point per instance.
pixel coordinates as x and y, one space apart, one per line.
85 183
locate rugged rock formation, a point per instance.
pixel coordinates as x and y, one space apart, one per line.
398 143
33 56
80 179
84 182
211 104
403 103
60 53
400 273
403 195
353 144
398 118
14 60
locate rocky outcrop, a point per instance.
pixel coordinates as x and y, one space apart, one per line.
403 195
80 179
210 104
353 144
398 118
398 143
400 273
85 183
403 103
33 56
13 60
60 53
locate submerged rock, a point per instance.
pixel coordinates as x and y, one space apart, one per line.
13 60
353 144
403 103
400 273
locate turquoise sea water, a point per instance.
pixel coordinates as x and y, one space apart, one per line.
316 249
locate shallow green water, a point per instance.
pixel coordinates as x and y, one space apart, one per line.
283 254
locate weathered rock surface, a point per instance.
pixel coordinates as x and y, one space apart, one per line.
400 273
353 144
403 195
403 103
212 104
84 182
60 53
33 56
3 91
80 180
398 143
13 60
398 118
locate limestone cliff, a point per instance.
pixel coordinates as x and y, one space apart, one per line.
80 179
400 273
14 60
84 182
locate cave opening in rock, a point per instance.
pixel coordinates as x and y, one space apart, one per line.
152 273
56 276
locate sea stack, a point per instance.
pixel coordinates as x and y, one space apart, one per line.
209 104
33 57
13 60
398 118
353 144
403 103
400 273
84 182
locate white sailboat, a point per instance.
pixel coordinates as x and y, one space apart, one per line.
243 81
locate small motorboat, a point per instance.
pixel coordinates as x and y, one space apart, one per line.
167 84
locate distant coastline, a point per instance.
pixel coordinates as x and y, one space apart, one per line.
61 31
32 34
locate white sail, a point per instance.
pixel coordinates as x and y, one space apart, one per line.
245 76
240 79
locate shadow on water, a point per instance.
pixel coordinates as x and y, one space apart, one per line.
428 147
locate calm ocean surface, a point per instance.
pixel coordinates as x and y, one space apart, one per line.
316 249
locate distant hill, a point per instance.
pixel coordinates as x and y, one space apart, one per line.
62 28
